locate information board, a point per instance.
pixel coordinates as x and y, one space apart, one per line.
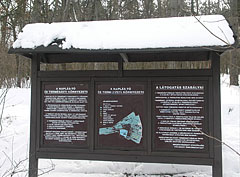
120 114
65 113
179 116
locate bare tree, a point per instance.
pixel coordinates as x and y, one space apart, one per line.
174 8
234 70
148 8
197 7
192 7
3 95
36 16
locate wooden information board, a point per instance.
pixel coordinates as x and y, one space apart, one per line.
142 117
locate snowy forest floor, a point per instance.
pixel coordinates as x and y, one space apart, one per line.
14 142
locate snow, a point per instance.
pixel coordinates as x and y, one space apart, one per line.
129 34
14 141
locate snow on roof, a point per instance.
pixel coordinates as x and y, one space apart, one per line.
129 34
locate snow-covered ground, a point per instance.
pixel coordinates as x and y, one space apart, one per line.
14 141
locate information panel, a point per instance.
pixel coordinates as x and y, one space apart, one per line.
179 114
120 114
65 113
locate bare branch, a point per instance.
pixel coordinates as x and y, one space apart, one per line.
212 49
224 35
48 169
229 45
216 139
16 167
234 65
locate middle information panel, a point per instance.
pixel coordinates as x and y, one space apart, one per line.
120 113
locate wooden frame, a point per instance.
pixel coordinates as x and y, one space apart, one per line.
213 155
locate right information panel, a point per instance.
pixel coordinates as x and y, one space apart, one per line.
179 116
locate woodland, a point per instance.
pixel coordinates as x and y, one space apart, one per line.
15 14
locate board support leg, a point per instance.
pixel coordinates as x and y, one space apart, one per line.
33 160
33 166
217 149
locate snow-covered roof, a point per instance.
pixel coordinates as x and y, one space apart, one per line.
176 32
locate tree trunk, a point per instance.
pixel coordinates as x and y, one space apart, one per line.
219 9
197 7
18 63
234 58
36 13
3 23
65 15
18 77
238 13
174 8
192 7
209 8
234 68
159 8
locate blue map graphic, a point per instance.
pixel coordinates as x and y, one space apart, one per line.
130 127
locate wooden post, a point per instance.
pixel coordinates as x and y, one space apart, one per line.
217 151
33 161
120 68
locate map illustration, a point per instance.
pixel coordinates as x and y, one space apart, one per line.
130 127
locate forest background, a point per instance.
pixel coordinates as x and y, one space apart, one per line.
15 14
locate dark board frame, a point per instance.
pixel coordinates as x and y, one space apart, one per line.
211 76
93 123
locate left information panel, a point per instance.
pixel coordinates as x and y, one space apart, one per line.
65 113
